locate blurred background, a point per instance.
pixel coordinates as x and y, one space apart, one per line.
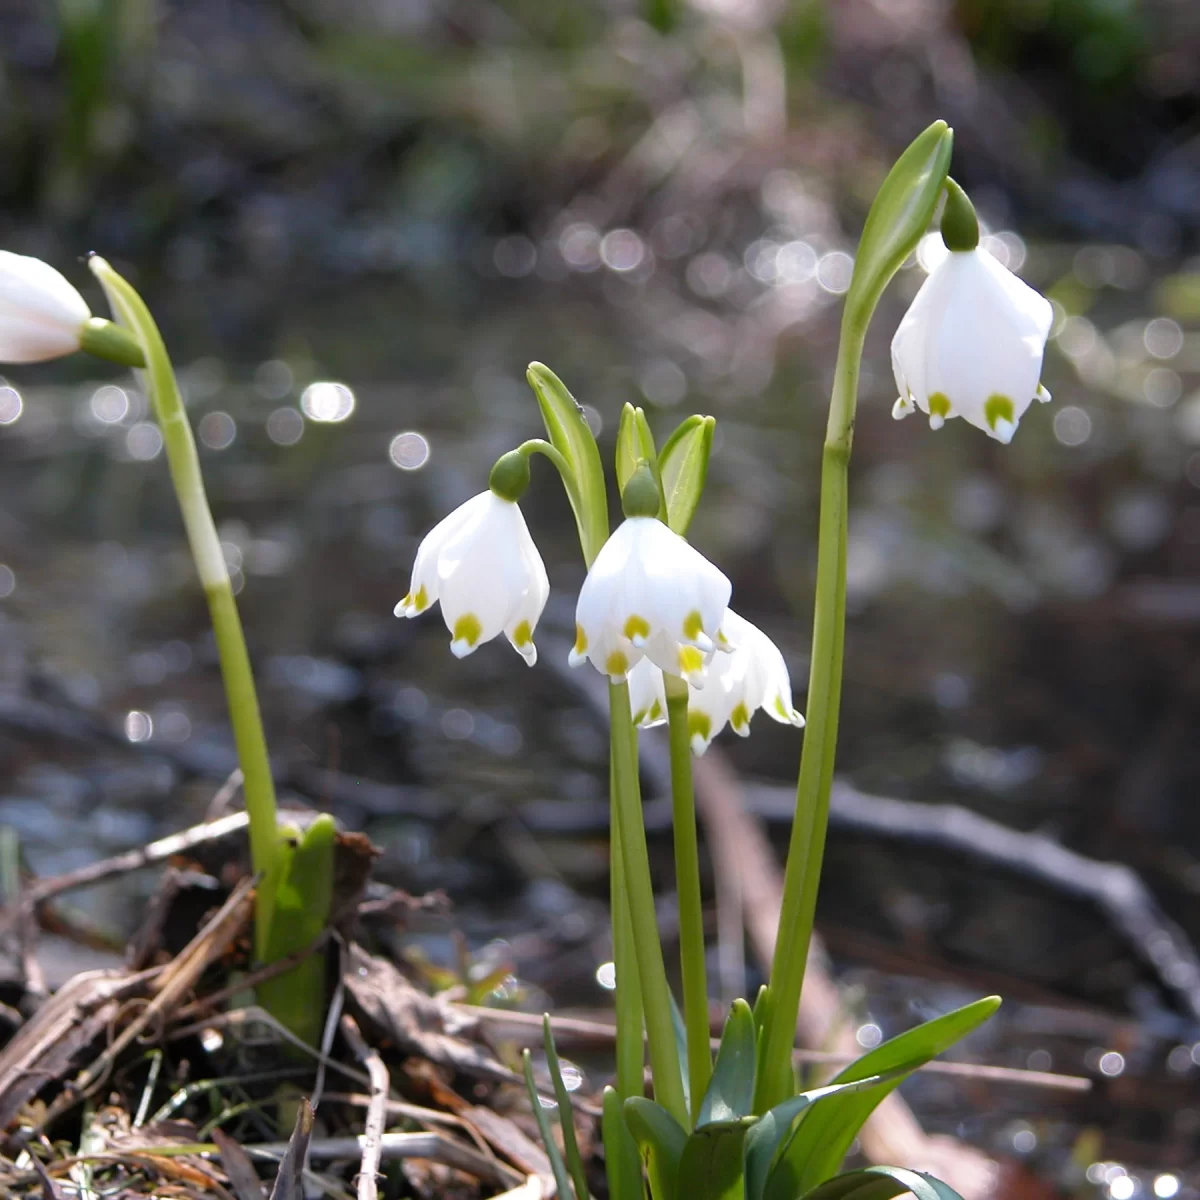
358 221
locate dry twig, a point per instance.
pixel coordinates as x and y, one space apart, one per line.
372 1137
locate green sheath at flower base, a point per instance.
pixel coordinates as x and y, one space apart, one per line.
107 340
510 476
960 225
900 214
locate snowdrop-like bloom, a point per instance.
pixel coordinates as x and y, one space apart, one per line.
752 676
650 595
41 315
482 565
971 345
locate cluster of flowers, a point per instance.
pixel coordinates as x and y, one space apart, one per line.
970 346
651 603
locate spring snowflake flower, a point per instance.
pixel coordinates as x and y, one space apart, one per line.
482 565
650 595
971 346
751 676
41 315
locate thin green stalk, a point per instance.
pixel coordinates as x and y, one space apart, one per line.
258 786
652 974
687 884
807 847
631 1049
623 1164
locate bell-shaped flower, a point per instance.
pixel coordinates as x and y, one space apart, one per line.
482 565
650 595
42 316
971 345
751 676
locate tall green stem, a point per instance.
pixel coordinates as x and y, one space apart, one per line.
631 1049
623 1165
240 693
687 884
807 846
652 974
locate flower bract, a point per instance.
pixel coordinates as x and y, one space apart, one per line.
41 314
971 346
482 566
650 595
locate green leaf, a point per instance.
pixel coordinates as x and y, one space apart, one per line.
566 1114
622 1165
562 1180
765 1138
710 1167
634 442
882 1183
683 470
762 1004
824 1133
762 1015
568 431
660 1140
730 1092
681 1048
301 878
900 214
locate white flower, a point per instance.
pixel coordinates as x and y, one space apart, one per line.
971 345
649 595
41 314
752 676
481 563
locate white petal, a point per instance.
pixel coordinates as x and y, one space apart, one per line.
603 610
523 622
423 587
647 696
41 313
709 707
674 587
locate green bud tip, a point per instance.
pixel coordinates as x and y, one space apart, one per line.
510 476
960 226
641 497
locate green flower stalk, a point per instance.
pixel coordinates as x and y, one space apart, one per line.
184 463
899 216
692 960
295 875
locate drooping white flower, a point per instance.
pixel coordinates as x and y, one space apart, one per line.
971 345
482 565
41 315
752 676
650 595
